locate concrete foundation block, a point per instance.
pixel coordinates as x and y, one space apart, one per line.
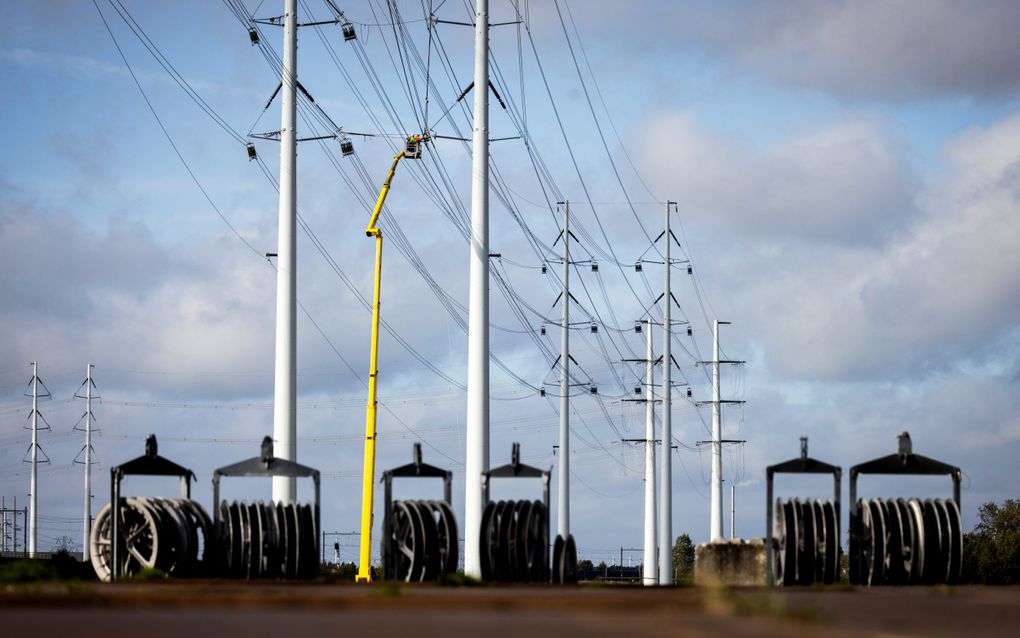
732 562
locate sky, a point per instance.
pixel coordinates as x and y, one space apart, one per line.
846 179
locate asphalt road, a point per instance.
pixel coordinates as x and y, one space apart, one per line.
226 610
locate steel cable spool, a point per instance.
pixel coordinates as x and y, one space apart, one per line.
272 550
779 534
199 531
908 541
488 542
422 540
879 542
789 546
933 558
820 532
158 533
407 539
807 548
570 560
831 571
266 540
905 541
100 540
504 516
310 560
894 547
955 542
807 536
527 549
541 571
266 547
446 526
557 564
175 530
294 549
917 515
431 548
509 530
283 558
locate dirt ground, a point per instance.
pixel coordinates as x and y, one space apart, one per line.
226 609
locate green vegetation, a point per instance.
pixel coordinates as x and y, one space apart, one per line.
457 579
991 552
26 571
60 566
150 573
683 560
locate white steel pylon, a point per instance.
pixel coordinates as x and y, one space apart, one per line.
285 393
563 477
716 513
651 572
87 391
33 452
477 436
666 480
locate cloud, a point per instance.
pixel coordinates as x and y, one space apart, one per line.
934 290
899 49
118 297
843 184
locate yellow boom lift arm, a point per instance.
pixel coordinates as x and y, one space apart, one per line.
411 151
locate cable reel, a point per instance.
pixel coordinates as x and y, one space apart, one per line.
419 539
905 541
515 534
266 540
802 536
169 534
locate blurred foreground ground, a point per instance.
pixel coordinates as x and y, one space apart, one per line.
243 610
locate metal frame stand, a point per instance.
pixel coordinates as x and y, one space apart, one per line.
150 464
268 466
905 462
415 469
516 469
802 465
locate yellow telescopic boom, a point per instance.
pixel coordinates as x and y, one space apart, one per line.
413 151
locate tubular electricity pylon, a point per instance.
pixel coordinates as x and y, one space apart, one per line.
477 436
285 397
716 514
34 449
563 483
666 482
650 575
88 386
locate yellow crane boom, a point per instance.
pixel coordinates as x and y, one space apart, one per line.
412 151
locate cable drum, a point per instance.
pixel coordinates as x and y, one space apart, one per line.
514 543
266 540
905 542
422 541
169 534
808 542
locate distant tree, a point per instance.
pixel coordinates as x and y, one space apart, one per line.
683 559
602 568
585 565
991 552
